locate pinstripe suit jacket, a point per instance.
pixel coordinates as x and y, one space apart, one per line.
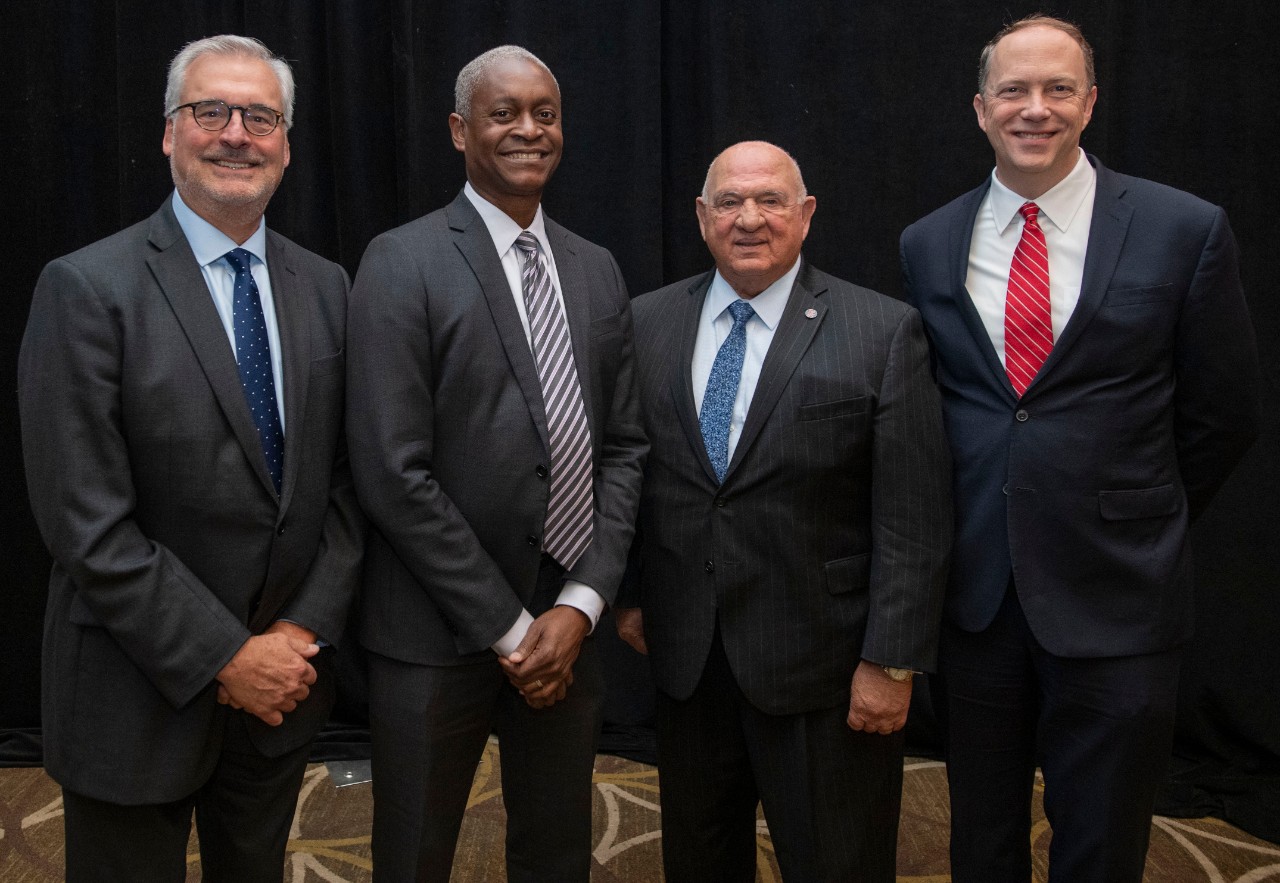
827 541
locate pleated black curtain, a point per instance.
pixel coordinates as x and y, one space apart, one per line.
873 100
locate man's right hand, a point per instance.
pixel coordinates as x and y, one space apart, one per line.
630 624
268 676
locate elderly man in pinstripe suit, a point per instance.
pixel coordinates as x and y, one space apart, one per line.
793 534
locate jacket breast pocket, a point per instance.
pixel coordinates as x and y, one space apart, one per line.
1127 505
1152 294
839 408
331 364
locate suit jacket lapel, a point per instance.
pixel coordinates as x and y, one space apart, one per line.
791 340
179 277
1107 232
576 292
958 253
473 240
295 344
690 313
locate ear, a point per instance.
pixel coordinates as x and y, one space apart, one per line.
704 217
1089 101
285 135
458 131
807 208
978 109
167 144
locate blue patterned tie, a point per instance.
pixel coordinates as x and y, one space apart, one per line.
253 358
722 389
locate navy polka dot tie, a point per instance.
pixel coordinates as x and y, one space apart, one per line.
253 357
722 389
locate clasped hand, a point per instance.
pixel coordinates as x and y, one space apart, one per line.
270 674
541 668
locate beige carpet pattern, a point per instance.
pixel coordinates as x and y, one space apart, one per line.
330 837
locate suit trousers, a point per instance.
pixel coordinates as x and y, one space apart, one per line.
429 726
1100 729
243 814
831 795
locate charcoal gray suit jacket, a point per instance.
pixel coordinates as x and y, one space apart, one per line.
448 433
827 542
148 482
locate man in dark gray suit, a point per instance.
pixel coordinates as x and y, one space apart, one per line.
180 386
496 446
792 538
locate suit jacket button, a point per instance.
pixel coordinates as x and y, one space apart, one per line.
541 471
709 567
1021 416
280 531
720 502
1006 490
531 540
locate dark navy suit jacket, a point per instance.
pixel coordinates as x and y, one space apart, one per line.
1083 490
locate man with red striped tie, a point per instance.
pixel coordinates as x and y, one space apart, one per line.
1100 381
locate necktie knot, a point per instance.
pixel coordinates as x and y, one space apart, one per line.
527 243
238 258
1030 213
741 312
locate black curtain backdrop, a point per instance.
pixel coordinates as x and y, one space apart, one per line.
872 98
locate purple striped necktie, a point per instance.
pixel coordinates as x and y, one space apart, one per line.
1028 326
567 531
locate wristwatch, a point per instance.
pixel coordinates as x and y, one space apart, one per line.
901 675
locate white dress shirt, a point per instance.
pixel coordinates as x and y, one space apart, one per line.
714 326
1066 214
210 246
504 231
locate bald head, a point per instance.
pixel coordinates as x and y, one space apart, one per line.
754 214
759 150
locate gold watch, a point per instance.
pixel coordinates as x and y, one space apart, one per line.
901 675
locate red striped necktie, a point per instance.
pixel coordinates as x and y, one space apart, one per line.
1028 326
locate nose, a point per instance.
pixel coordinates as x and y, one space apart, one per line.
1035 106
234 133
749 216
527 127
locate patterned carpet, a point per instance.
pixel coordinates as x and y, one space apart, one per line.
331 833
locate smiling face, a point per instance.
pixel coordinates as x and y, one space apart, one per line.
227 177
1036 103
754 218
512 138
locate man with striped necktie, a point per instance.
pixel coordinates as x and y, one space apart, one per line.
496 446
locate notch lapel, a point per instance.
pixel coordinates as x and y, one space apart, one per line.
576 293
472 239
295 344
689 308
1107 232
182 283
958 255
791 340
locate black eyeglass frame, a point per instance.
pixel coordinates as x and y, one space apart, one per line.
256 108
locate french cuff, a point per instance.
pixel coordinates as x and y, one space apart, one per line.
507 644
581 596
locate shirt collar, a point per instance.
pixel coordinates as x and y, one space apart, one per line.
208 243
1058 205
502 230
768 304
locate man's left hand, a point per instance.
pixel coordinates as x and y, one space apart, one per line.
541 668
877 703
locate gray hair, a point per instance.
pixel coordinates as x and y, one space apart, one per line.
234 46
476 69
1037 21
795 167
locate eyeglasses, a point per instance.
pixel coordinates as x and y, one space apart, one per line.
213 115
728 204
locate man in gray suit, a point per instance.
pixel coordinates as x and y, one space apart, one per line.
496 446
180 388
791 544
